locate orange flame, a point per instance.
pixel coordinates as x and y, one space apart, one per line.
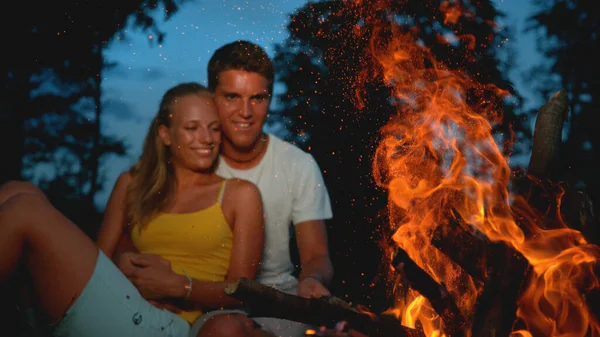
452 12
438 155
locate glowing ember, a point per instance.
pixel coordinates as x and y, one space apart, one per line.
438 158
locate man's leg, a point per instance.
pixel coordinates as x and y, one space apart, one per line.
233 323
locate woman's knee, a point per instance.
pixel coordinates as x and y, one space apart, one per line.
13 188
22 207
226 325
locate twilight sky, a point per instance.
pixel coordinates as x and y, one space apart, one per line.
132 90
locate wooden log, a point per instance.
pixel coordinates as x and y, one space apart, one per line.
499 268
264 301
577 210
472 253
496 306
559 201
575 206
440 299
547 135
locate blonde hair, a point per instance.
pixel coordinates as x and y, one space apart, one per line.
153 181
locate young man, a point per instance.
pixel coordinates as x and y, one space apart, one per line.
241 75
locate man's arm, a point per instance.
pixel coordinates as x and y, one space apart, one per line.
310 210
317 270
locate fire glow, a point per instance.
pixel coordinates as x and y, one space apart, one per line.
438 159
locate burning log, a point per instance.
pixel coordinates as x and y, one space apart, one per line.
578 211
496 306
575 206
264 301
437 294
472 254
497 248
554 202
507 269
561 202
498 267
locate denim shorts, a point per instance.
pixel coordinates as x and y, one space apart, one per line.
110 305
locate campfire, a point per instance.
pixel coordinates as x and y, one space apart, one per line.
458 213
476 248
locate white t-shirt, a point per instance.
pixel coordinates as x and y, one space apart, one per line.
293 191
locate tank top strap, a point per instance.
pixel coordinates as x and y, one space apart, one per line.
222 192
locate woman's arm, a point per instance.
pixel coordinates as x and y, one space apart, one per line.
248 231
248 242
157 282
111 230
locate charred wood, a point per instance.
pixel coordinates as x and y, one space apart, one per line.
437 294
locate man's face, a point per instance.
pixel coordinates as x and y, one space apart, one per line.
242 100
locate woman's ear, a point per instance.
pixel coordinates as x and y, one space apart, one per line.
163 133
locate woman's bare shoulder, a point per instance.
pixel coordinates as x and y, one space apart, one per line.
123 181
242 188
125 177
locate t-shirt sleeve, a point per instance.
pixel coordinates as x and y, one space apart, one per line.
311 199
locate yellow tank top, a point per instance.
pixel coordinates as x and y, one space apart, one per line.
197 244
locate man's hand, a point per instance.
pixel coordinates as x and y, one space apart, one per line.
125 264
149 260
153 277
311 287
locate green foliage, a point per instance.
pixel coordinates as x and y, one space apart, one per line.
51 121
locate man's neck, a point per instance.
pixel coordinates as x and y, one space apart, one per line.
245 160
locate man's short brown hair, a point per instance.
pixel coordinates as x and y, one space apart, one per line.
240 55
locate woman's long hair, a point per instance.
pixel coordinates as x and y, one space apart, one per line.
153 181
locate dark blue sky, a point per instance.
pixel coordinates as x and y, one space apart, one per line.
146 70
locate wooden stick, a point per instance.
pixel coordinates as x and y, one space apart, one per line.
263 301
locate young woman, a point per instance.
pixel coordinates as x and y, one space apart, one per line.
195 233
